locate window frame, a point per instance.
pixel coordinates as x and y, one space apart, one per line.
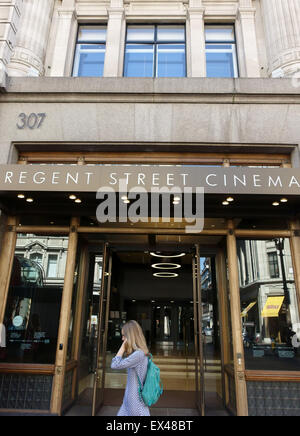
155 45
233 43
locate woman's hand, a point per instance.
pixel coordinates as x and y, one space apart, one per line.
122 349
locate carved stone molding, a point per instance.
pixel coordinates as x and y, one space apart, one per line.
281 21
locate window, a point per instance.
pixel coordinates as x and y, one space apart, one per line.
37 257
155 51
90 51
269 309
33 307
52 266
221 58
273 265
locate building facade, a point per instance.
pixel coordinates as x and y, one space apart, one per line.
193 93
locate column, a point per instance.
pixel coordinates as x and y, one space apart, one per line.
235 307
65 39
114 54
282 31
196 46
32 39
10 12
246 17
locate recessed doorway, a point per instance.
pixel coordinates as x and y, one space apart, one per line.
169 312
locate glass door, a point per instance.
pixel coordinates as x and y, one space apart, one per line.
101 332
199 348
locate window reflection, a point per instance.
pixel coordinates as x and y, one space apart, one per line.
270 316
221 58
33 305
90 51
155 51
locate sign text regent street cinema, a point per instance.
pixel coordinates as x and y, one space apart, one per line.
86 178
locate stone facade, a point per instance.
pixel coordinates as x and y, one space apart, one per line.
44 109
42 42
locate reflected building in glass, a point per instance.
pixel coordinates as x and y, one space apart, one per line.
270 314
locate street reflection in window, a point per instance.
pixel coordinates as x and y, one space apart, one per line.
270 316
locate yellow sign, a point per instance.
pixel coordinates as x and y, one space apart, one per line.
245 311
272 307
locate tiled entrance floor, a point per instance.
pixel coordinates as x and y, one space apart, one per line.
112 411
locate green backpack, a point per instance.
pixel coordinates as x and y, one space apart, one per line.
152 389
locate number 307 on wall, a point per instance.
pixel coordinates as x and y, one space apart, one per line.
31 121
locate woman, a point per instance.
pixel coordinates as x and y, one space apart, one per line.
136 362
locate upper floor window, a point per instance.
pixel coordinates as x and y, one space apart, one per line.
221 57
155 51
52 266
90 51
273 265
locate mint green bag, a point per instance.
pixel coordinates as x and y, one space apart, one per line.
152 389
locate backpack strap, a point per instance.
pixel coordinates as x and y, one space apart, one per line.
139 381
140 387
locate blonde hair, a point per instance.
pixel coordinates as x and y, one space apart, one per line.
135 338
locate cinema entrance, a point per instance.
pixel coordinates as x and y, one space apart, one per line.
219 307
163 291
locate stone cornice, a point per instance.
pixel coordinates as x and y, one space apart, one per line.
197 90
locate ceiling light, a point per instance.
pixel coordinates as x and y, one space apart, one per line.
29 200
72 197
225 203
166 265
165 275
78 200
230 199
169 256
21 196
276 203
176 202
284 200
124 197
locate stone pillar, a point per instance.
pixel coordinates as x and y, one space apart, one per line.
196 44
282 29
114 52
246 15
65 39
10 12
32 39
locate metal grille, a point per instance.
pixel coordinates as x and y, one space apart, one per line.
232 395
32 392
67 392
273 398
